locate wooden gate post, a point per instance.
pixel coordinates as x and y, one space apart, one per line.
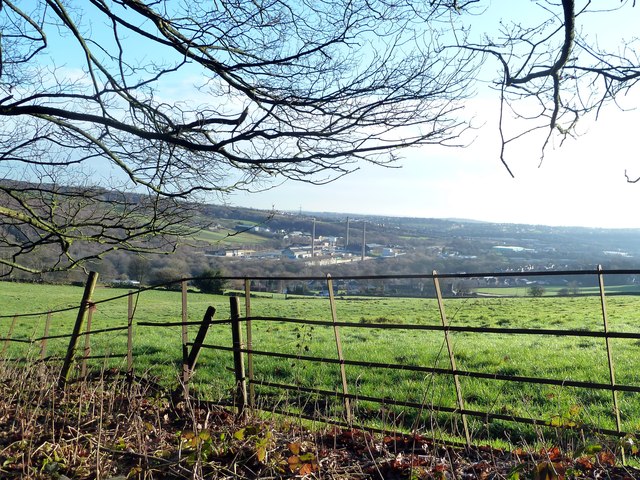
73 341
238 358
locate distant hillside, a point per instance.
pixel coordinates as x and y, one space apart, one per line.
578 240
244 241
449 245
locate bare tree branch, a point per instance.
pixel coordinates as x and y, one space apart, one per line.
555 66
119 116
261 91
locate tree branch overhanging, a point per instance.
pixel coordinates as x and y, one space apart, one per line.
551 65
274 90
168 102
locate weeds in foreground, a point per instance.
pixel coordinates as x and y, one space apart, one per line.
109 427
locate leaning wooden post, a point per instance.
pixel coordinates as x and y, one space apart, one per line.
612 373
130 313
199 340
189 364
73 341
247 306
336 332
238 359
7 339
185 341
87 342
45 337
452 359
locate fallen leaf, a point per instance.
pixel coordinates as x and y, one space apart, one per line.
294 448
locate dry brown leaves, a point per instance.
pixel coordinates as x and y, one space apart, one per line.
110 428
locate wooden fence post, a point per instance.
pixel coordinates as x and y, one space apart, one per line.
87 342
82 311
336 332
247 306
185 341
43 343
612 373
189 363
452 359
7 339
200 336
238 359
130 313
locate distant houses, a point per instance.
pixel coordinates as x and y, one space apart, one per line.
513 249
297 252
229 252
244 227
383 251
305 246
323 250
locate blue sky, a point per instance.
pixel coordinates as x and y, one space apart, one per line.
581 183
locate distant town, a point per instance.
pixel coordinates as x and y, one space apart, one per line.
313 249
519 247
247 242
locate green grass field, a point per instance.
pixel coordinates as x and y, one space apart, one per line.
158 351
228 237
523 291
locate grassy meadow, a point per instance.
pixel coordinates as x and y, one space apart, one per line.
229 238
157 352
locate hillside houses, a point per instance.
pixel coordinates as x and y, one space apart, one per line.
229 252
299 244
297 252
241 227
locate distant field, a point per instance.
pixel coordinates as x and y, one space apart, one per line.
228 237
523 291
158 350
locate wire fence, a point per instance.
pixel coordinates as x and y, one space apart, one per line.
458 360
